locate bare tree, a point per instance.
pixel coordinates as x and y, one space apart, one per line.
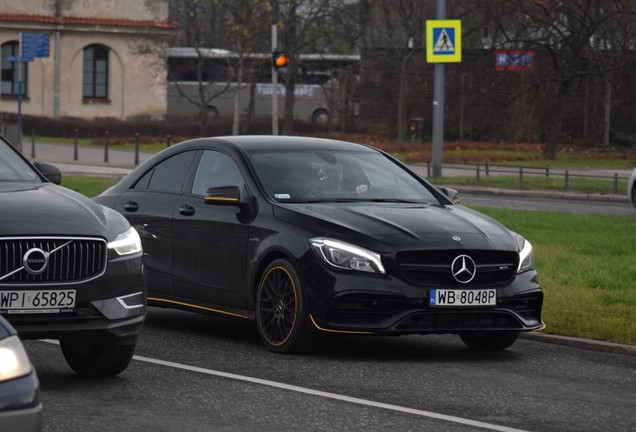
302 26
246 22
201 23
409 17
581 38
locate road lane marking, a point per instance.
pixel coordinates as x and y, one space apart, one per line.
328 395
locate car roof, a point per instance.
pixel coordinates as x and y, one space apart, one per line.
282 142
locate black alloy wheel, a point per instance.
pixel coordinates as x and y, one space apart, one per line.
281 314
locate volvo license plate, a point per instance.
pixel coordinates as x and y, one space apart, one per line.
37 301
455 297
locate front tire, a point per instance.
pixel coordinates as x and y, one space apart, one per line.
489 340
281 310
97 360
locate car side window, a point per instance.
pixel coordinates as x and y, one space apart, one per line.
215 169
169 175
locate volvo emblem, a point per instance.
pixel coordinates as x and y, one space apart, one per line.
463 269
35 261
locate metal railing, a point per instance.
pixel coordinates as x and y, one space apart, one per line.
522 172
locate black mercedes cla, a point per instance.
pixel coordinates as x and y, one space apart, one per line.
69 269
312 236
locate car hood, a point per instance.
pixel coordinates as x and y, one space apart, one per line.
399 226
48 209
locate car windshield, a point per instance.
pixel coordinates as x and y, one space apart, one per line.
319 176
13 168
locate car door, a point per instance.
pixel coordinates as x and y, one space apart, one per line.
209 240
149 205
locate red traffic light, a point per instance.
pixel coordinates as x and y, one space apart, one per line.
279 59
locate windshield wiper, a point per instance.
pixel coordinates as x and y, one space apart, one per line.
397 200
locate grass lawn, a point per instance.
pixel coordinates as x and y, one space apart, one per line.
586 266
574 184
89 186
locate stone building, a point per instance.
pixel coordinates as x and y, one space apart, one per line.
105 58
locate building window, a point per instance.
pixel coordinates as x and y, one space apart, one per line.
10 77
95 82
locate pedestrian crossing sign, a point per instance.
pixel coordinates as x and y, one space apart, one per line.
443 41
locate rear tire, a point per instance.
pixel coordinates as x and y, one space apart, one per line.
282 315
320 116
489 340
97 360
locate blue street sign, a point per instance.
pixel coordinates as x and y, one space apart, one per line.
34 45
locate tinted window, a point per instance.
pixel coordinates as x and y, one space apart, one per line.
215 169
308 175
169 175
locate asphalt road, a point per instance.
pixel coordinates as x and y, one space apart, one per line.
199 373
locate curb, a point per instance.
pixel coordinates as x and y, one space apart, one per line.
587 344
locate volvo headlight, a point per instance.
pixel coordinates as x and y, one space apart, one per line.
126 243
526 257
345 256
14 361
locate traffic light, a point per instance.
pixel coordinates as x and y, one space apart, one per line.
279 59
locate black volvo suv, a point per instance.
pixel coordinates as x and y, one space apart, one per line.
70 269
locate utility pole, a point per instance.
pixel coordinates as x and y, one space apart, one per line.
274 83
437 150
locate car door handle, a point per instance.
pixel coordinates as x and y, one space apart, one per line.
131 206
187 210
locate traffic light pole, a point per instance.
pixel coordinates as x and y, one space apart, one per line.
274 84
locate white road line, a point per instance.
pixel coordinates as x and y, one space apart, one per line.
328 395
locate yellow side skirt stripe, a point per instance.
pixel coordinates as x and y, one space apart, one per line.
337 331
156 299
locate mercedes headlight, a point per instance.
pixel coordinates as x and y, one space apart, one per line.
14 361
345 256
126 243
526 257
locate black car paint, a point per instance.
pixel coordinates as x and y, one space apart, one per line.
208 240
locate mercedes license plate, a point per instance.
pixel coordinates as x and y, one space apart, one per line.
455 297
40 301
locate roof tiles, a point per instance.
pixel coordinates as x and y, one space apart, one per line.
110 22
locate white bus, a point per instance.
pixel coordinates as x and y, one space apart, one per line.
323 89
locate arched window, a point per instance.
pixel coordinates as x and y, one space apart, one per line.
95 73
10 78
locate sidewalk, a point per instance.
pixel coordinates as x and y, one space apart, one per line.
88 160
65 154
